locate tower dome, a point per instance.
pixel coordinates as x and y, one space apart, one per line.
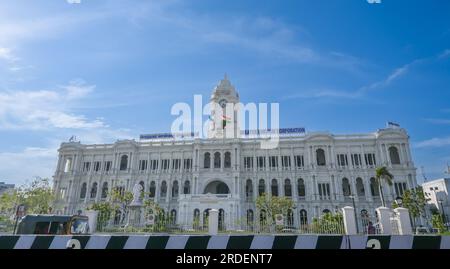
225 90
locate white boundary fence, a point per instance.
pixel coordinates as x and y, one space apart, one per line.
387 222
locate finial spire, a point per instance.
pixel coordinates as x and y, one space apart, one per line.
225 77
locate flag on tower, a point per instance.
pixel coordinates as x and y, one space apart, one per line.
225 118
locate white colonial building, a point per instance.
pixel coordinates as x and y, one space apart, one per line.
320 171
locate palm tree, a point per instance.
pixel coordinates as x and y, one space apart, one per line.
383 175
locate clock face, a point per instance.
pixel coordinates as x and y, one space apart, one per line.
223 103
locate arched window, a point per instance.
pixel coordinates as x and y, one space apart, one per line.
303 217
360 187
301 188
320 155
290 218
261 187
274 187
105 190
250 217
249 189
374 187
207 160
123 162
205 218
83 190
163 189
187 187
346 187
175 189
173 217
68 165
152 189
227 161
393 154
94 190
217 187
217 160
287 188
196 223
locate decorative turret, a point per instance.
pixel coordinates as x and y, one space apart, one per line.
225 90
224 93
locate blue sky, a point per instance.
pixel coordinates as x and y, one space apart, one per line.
107 70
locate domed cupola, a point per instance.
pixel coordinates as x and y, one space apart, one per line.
225 90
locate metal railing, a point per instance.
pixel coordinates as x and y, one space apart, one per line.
126 224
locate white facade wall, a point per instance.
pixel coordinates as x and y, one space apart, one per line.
323 184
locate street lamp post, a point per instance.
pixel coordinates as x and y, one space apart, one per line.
354 211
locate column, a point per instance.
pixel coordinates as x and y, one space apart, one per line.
222 160
308 157
255 189
353 186
380 158
363 157
386 154
349 220
367 190
384 220
333 154
330 157
408 151
404 221
339 188
211 161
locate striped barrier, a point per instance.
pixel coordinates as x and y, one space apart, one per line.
223 242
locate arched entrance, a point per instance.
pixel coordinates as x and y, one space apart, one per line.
217 187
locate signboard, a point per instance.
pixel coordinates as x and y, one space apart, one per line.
282 131
279 219
21 211
257 132
168 136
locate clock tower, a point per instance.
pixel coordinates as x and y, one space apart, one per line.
225 97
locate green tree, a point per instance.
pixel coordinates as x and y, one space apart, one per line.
105 210
37 196
438 223
328 224
160 221
415 201
273 205
382 175
121 200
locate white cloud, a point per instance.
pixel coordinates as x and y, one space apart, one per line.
45 109
445 54
322 94
74 1
6 54
18 167
385 82
434 142
439 121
